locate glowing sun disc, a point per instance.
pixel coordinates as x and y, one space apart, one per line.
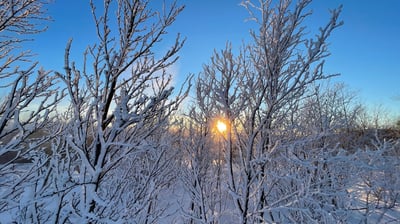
221 126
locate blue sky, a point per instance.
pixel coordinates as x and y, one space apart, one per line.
365 50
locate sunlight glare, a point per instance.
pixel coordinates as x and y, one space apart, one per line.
221 126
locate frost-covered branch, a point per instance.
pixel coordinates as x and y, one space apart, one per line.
27 109
121 100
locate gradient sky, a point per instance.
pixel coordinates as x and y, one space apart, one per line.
365 50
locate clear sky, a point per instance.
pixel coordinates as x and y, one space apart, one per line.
365 50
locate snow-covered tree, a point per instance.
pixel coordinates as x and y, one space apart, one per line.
331 113
218 96
206 198
200 177
27 106
112 160
257 91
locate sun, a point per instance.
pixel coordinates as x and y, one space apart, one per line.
221 126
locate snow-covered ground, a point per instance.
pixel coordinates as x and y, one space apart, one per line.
363 205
